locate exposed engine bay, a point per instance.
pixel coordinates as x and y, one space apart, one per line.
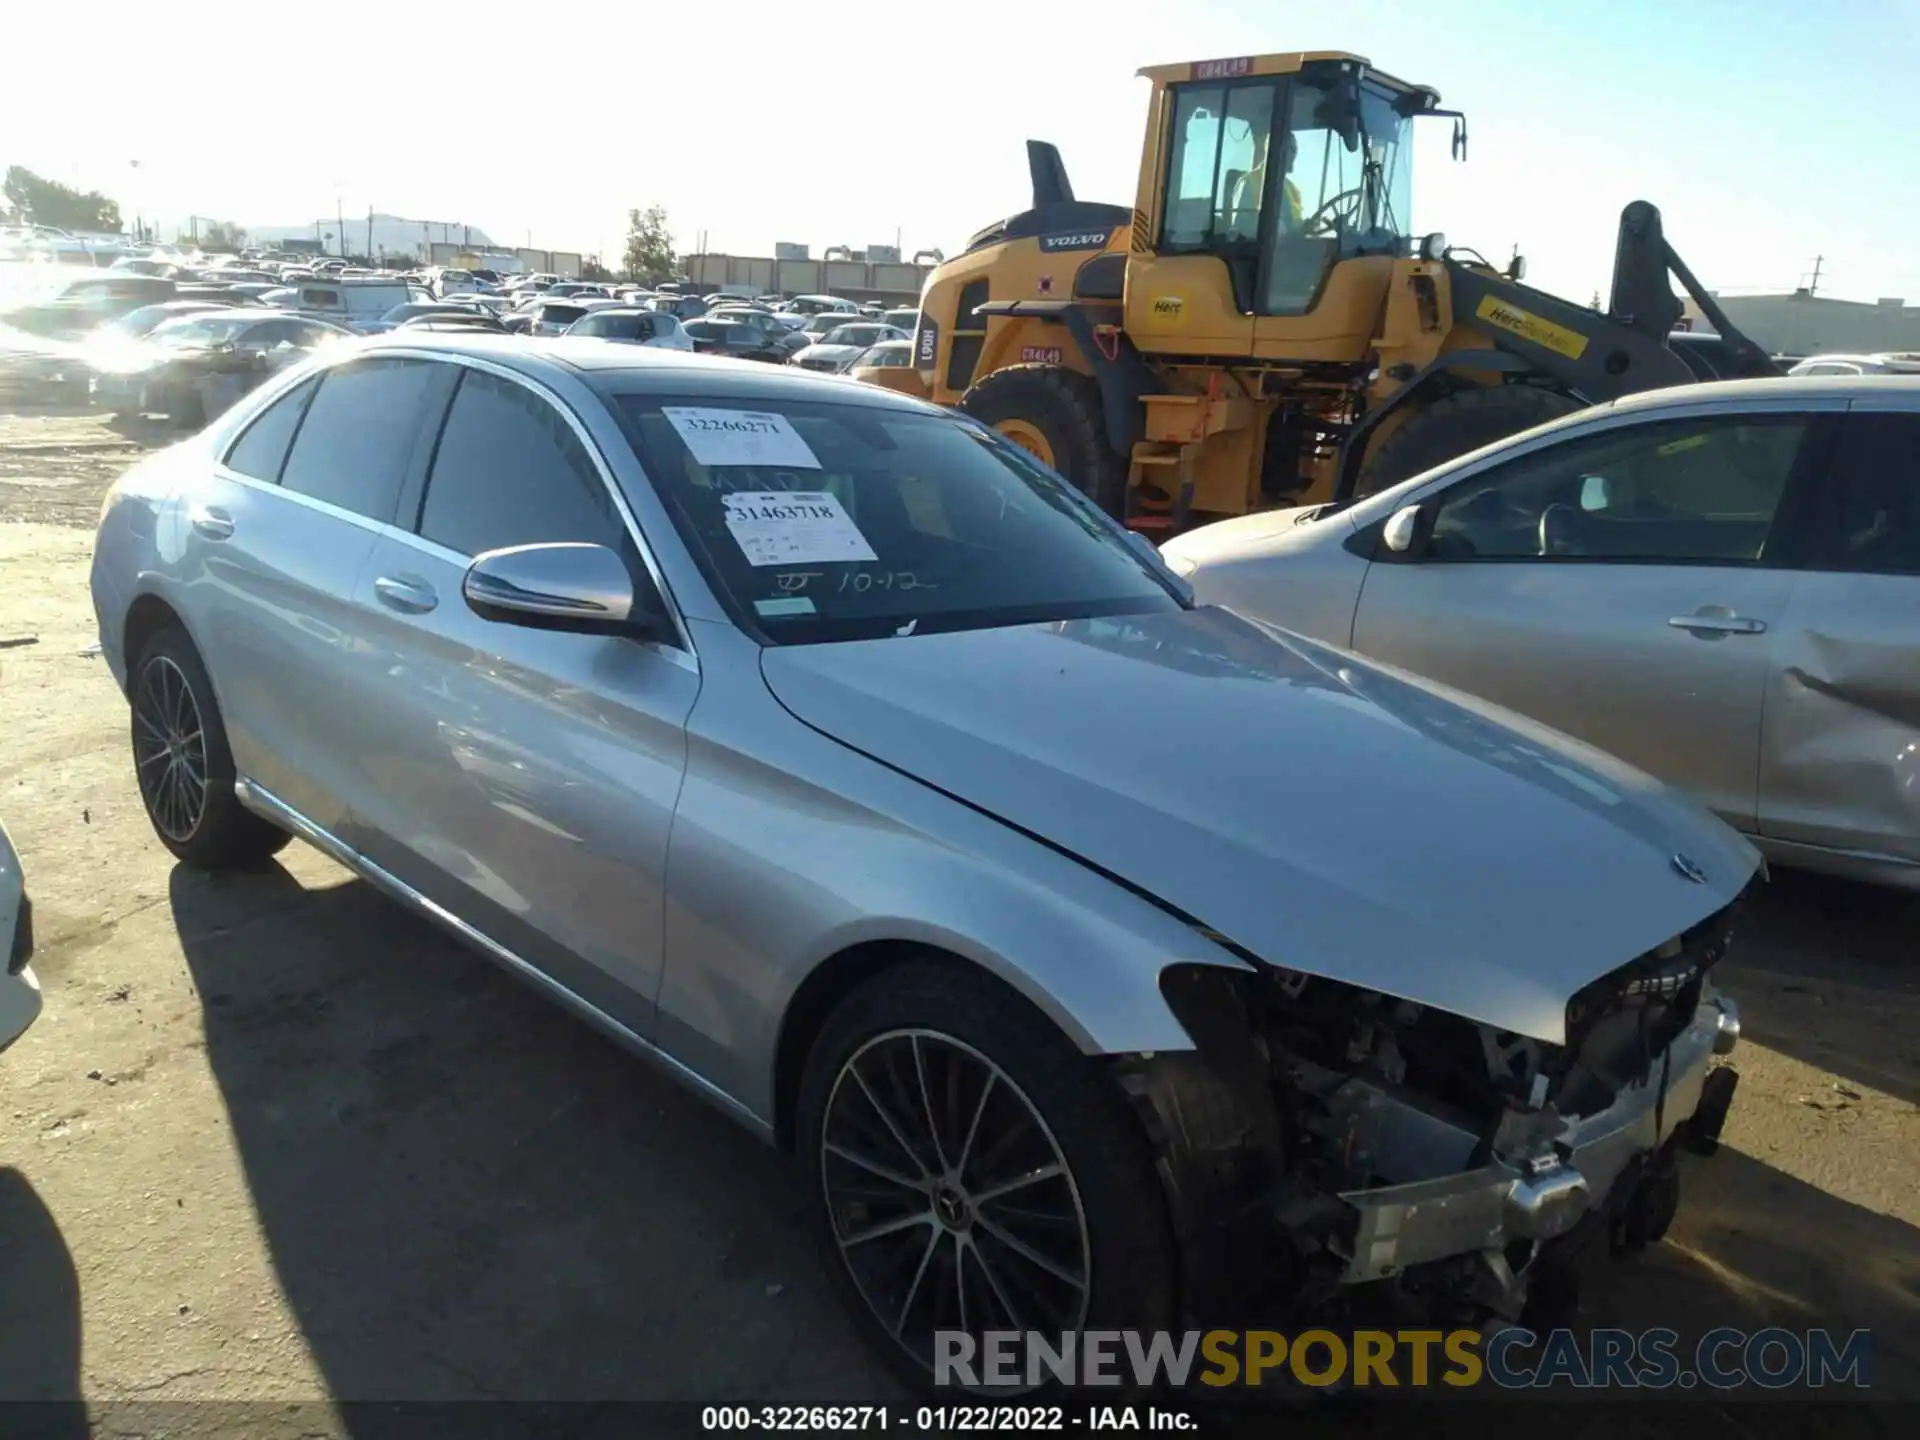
1375 1150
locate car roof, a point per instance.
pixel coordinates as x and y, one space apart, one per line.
643 370
1784 390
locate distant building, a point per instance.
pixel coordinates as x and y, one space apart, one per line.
1807 324
850 274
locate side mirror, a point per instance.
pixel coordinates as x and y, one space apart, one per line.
556 587
1407 531
1595 493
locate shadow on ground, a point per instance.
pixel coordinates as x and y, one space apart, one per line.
468 1194
39 1319
1825 971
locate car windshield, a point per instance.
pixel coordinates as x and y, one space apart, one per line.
854 335
819 522
201 330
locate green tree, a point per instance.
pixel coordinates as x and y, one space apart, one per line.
47 202
592 269
222 235
649 255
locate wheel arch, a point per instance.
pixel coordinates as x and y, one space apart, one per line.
147 616
837 977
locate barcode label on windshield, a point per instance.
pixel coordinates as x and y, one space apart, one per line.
794 527
740 437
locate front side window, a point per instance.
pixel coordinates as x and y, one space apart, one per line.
821 522
510 471
1680 491
355 444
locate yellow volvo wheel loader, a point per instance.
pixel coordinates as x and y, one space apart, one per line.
1262 328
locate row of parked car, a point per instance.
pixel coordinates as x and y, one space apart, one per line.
154 334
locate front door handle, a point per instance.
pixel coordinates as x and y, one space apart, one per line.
211 521
403 593
1719 624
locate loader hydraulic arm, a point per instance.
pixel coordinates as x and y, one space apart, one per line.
1643 297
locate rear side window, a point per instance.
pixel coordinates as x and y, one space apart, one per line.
358 437
262 448
510 471
1876 505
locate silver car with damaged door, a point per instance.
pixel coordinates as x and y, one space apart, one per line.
1075 941
1717 583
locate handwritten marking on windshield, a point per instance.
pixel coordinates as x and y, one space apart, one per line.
861 581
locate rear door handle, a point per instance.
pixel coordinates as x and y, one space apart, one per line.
410 596
211 521
1719 624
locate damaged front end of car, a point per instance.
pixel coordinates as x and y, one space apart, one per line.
1333 1148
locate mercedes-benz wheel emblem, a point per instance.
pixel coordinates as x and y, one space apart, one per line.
1688 870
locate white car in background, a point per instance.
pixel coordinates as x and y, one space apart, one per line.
844 344
19 991
633 325
1901 364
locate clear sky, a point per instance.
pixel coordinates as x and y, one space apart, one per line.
1768 131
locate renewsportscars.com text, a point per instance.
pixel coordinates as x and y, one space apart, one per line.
1512 1358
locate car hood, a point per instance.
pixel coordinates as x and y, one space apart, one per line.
1321 812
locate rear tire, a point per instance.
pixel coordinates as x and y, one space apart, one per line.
1013 1100
1457 423
1065 407
184 766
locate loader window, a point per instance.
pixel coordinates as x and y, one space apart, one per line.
1219 167
1337 201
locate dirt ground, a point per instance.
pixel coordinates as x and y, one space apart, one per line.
275 1139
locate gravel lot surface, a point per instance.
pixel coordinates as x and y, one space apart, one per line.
275 1139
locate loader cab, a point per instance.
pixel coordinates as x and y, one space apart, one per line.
1263 174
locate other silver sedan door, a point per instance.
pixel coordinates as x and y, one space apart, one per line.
1623 584
1840 753
271 543
524 779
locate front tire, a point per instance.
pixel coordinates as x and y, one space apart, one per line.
1056 415
966 1168
183 764
1457 423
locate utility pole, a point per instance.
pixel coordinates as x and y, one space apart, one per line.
1814 288
369 231
340 220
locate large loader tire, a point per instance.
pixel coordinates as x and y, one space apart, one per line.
1457 423
1054 414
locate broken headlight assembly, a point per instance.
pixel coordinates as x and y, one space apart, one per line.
1365 1141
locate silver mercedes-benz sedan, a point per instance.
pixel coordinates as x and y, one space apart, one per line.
1076 941
1720 584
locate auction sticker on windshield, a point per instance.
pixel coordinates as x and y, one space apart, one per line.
740 437
793 527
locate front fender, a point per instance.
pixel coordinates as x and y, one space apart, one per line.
777 867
